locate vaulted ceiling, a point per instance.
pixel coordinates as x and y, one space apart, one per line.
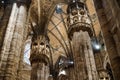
43 15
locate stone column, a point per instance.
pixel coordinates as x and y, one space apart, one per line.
39 58
39 71
13 42
89 58
79 63
84 63
80 29
3 23
8 38
71 75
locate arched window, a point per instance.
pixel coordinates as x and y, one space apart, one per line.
27 51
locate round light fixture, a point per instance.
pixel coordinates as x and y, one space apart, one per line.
58 9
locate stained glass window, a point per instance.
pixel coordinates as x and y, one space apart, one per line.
27 53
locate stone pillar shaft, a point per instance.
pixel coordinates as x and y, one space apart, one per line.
39 71
89 57
8 38
3 24
13 42
85 67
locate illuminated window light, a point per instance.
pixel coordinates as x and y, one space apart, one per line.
2 2
63 72
27 53
59 9
96 47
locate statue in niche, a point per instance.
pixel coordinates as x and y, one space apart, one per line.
104 76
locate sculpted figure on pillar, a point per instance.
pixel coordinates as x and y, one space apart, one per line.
103 75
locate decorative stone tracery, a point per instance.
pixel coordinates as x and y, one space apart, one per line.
78 19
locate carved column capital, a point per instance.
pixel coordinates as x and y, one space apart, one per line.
78 19
40 49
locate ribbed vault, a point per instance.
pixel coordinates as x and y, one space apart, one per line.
53 24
